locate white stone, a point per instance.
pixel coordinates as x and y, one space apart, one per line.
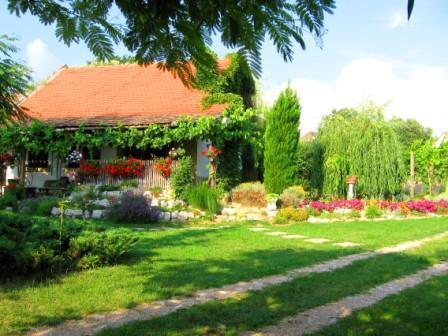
346 244
228 211
97 214
102 202
254 217
175 215
317 240
272 213
114 193
154 202
295 236
77 213
272 206
183 215
257 229
86 214
166 216
55 211
276 233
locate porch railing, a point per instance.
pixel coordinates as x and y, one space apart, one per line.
150 178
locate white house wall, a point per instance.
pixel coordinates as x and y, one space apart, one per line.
202 161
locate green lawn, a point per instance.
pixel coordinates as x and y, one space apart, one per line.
422 311
178 262
257 309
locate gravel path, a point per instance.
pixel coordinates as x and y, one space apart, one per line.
94 323
315 319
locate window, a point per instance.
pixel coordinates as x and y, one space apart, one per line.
38 162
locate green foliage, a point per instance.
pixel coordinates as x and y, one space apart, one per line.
281 142
14 81
40 206
360 142
182 177
94 249
203 197
133 208
31 244
229 165
373 211
289 214
292 196
107 187
409 131
178 32
309 164
251 194
9 199
128 184
431 162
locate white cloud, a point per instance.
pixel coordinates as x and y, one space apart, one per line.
41 60
396 20
421 94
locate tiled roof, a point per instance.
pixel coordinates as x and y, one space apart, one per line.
127 94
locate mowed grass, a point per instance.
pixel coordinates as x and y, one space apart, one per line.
372 234
253 310
179 262
422 310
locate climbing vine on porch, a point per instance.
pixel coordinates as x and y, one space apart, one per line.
232 87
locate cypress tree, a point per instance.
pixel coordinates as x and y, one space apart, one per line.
281 142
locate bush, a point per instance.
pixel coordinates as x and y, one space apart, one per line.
182 177
93 249
203 197
250 194
128 184
289 214
30 244
373 211
38 206
292 196
106 187
155 191
133 208
9 199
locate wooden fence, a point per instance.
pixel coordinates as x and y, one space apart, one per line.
151 177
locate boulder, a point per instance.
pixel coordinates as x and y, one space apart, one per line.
96 214
86 214
228 212
55 211
272 206
102 202
77 213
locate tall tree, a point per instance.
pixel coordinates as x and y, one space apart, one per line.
360 142
281 142
14 81
177 31
409 131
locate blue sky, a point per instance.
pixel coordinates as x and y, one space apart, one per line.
370 52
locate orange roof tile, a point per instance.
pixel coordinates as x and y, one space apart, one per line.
127 94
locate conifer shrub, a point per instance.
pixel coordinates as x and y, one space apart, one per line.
281 142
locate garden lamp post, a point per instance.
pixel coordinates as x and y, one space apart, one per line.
351 182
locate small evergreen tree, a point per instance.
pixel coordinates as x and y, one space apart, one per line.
281 142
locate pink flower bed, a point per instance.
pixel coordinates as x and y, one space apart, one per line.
422 206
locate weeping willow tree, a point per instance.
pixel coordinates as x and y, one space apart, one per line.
360 142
